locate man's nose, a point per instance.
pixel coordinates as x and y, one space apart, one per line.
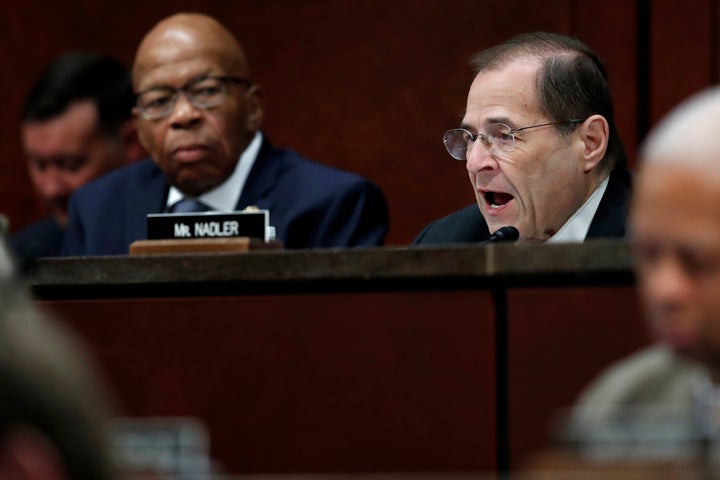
54 183
666 285
184 112
479 158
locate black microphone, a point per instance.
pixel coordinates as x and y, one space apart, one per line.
503 234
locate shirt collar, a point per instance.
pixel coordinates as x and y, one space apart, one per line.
576 228
224 197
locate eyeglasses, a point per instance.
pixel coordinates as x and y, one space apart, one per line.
203 92
498 138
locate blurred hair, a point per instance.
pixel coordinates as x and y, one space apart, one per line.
48 385
571 81
82 76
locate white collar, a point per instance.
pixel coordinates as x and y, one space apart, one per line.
225 197
576 228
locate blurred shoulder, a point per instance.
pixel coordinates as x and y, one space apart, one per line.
129 175
652 379
316 172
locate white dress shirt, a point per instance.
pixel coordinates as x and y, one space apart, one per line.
576 228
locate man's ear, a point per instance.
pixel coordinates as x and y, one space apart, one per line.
254 108
131 142
26 454
594 134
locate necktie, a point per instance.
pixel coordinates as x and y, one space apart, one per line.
189 205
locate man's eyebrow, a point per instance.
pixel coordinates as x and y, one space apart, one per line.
503 120
488 121
201 76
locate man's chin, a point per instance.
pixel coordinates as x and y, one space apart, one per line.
195 187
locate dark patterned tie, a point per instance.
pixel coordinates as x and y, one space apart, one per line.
189 205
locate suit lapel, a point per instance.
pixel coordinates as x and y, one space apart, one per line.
262 179
149 196
611 216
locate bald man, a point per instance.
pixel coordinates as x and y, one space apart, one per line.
198 114
670 390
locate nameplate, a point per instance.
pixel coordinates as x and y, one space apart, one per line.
253 224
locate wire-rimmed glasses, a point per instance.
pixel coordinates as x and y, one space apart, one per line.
203 92
498 138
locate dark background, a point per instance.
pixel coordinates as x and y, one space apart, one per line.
371 85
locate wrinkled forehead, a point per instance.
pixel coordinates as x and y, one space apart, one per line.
506 92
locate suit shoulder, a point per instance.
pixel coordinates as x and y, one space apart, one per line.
321 181
318 171
466 225
40 239
652 368
653 378
117 178
42 227
469 213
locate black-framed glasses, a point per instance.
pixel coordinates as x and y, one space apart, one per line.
498 138
203 92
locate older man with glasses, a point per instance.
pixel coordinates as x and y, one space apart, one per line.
541 148
198 113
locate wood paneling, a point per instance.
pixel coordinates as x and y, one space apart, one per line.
558 341
333 383
370 86
682 51
366 86
618 51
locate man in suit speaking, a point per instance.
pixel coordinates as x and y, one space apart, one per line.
198 114
539 141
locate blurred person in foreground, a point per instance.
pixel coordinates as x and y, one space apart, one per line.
540 144
53 409
76 126
198 114
669 394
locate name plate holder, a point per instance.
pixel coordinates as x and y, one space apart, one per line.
172 233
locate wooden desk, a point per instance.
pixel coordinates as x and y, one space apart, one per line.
378 360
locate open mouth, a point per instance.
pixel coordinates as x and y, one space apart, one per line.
497 200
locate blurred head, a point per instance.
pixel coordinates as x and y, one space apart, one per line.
675 229
183 60
76 125
541 108
53 409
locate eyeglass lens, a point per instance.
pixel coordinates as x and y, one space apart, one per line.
203 93
497 138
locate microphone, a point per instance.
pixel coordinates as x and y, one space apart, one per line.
503 234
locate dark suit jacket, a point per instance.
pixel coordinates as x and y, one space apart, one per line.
310 205
41 239
468 225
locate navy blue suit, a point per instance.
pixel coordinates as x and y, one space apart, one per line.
468 225
41 239
311 205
